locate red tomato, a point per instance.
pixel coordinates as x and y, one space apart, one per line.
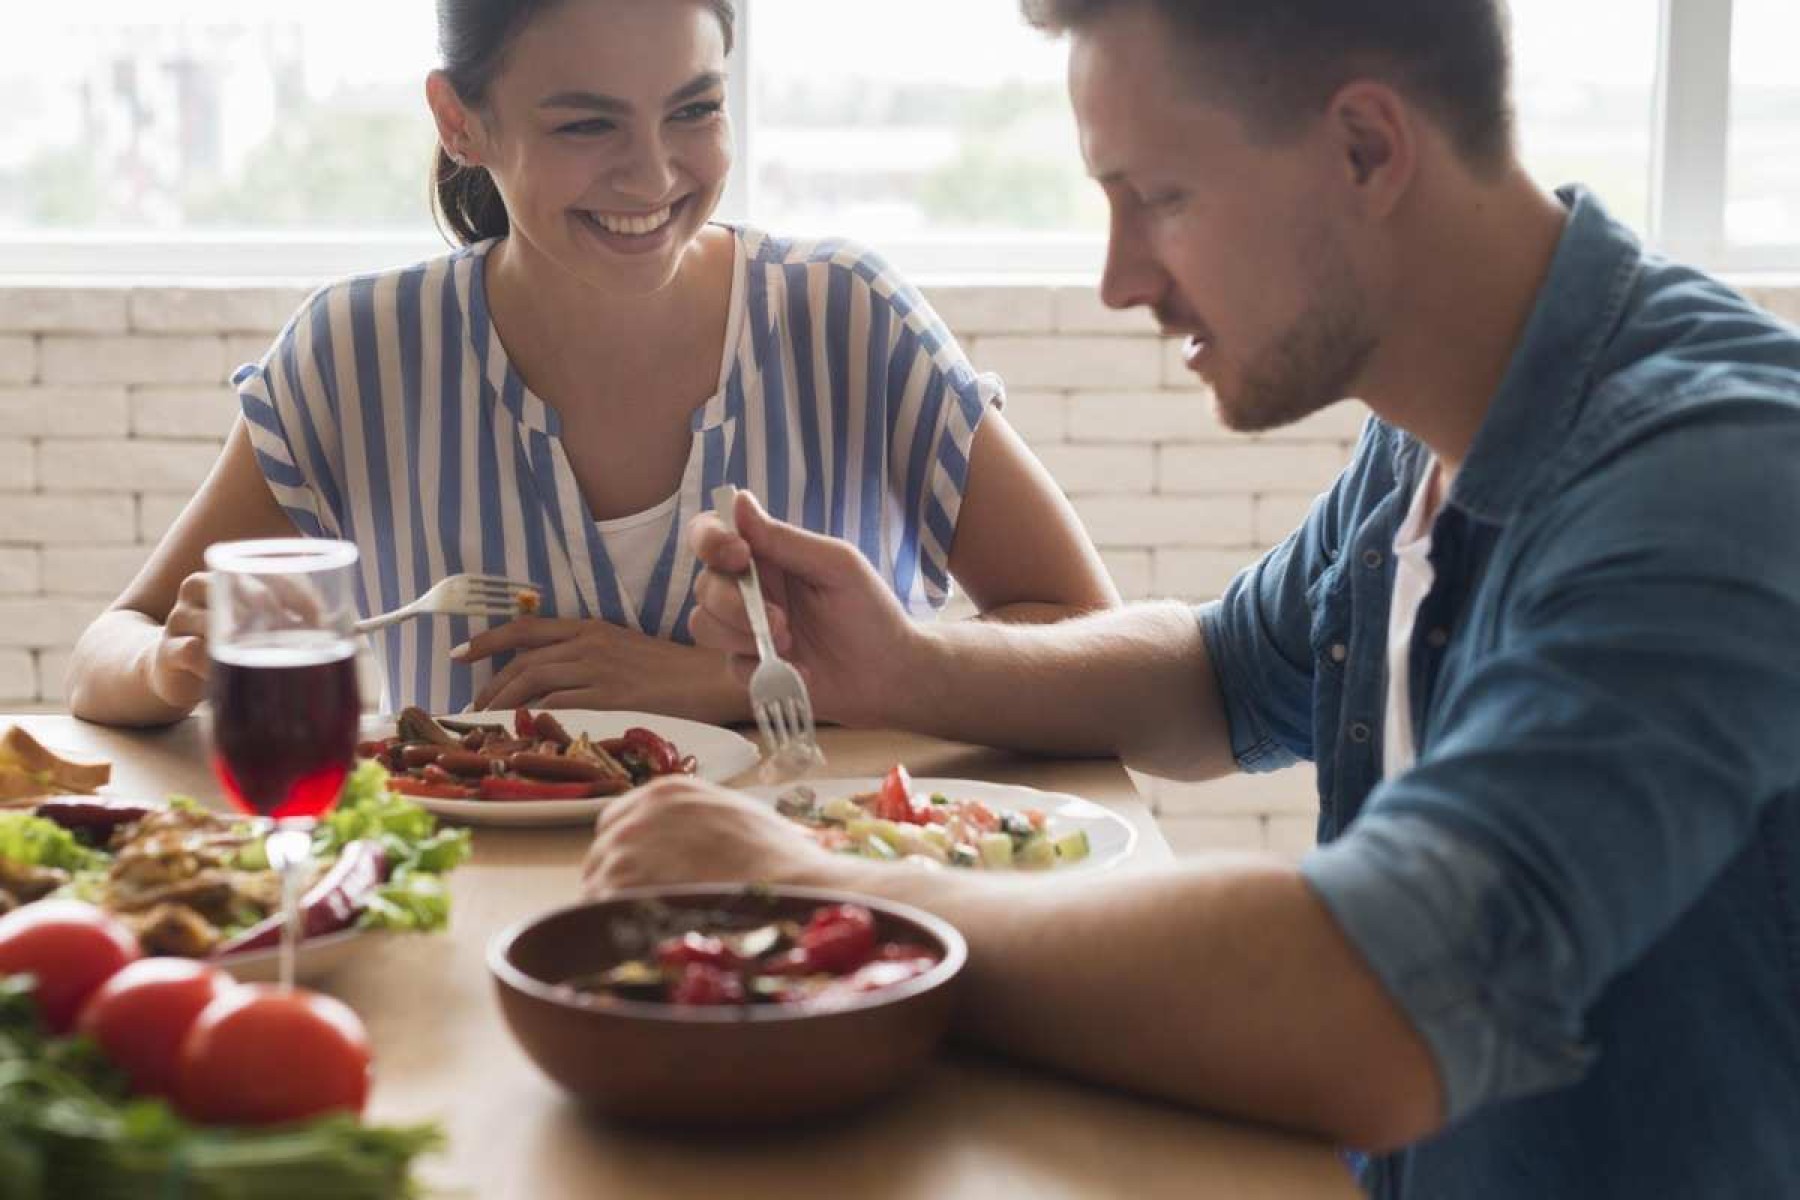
69 948
839 939
140 1015
701 984
696 948
894 801
260 1056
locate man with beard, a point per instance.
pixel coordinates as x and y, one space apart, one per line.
1539 639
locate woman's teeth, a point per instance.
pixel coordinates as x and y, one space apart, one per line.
633 226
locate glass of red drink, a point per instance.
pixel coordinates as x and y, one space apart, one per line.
283 690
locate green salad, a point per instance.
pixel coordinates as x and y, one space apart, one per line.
197 883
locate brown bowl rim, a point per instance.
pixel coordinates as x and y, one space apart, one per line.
956 954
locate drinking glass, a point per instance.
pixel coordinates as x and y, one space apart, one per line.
283 690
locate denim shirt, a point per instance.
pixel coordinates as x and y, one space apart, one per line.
1586 893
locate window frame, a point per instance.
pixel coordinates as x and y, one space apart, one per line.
1690 136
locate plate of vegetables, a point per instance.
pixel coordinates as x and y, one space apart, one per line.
959 823
548 767
191 882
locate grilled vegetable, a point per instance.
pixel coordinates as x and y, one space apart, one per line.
331 904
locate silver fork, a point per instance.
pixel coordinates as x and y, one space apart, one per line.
459 595
777 693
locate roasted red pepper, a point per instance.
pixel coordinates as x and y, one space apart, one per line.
406 785
501 787
659 754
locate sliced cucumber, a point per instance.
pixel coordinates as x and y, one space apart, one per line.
1036 853
996 850
1073 846
963 855
842 808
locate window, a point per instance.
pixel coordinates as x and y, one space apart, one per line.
1762 200
1586 116
958 131
194 115
212 136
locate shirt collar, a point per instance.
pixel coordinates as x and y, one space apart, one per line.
1577 310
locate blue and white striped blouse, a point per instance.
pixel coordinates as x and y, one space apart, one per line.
388 414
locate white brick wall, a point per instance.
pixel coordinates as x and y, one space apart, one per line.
113 402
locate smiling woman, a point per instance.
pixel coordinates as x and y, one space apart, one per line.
554 400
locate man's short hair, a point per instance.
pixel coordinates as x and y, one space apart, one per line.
1279 62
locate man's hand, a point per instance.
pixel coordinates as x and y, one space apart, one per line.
829 612
690 831
596 664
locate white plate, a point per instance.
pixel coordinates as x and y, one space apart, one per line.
719 755
314 958
1110 836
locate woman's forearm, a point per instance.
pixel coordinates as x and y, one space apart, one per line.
1035 612
109 673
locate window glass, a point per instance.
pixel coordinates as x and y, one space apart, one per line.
1762 204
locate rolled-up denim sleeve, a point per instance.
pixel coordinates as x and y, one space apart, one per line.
1586 781
1259 633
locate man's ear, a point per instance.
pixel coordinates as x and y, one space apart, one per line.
459 129
1376 137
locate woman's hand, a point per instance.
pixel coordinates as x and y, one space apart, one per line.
690 831
178 659
564 663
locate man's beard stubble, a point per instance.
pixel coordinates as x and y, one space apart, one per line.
1314 362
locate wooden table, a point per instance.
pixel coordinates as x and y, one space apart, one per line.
972 1127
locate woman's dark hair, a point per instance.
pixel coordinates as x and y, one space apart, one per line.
473 37
1280 61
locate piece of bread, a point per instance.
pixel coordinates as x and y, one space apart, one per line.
30 769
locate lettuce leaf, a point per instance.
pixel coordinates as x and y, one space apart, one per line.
36 842
418 852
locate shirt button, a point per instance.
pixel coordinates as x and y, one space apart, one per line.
1437 639
1359 733
1339 652
1371 559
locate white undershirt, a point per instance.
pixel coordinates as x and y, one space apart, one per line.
1412 580
635 546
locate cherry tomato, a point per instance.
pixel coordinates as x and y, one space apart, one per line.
696 948
140 1016
894 801
701 984
69 948
839 938
789 963
260 1056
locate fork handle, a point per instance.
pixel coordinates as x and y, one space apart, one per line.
724 498
383 620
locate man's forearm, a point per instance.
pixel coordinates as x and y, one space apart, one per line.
1135 682
1220 983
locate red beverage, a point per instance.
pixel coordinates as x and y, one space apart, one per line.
284 722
